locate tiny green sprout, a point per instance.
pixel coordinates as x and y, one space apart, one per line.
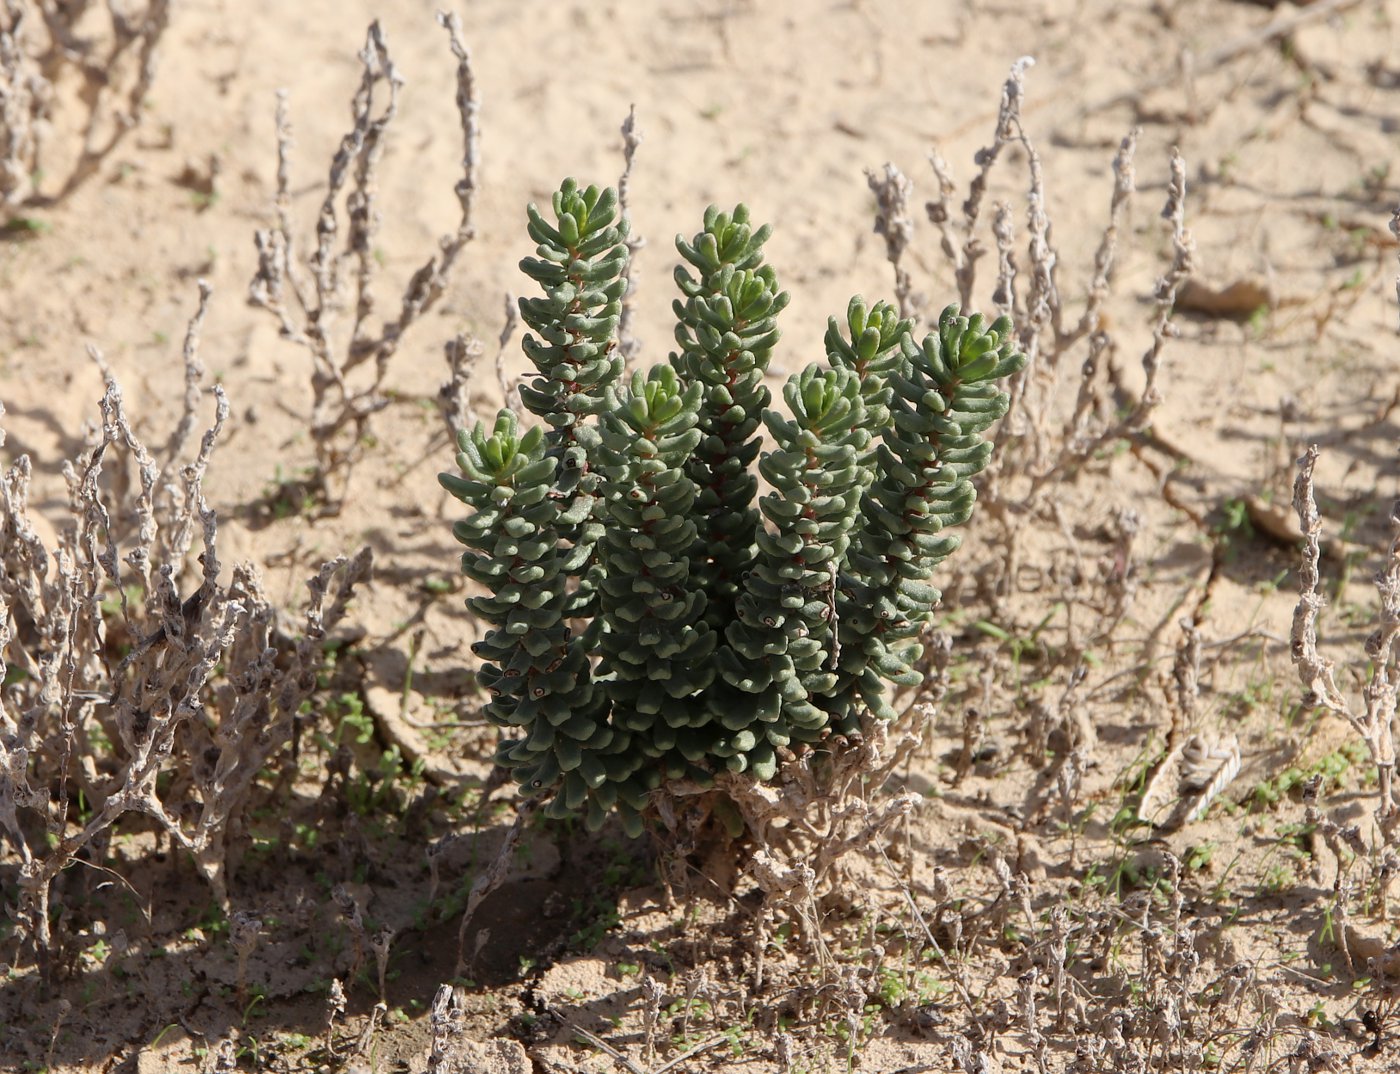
437 586
25 227
1199 856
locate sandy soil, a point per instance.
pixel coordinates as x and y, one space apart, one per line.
1289 144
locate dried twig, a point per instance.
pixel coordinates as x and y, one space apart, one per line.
896 227
510 386
116 68
821 808
1106 256
628 343
454 396
307 312
1374 723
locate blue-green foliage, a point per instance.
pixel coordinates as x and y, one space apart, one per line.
943 396
656 648
536 671
647 621
726 327
780 640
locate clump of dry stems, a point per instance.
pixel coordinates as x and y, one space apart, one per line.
56 77
141 680
1057 425
309 294
1070 405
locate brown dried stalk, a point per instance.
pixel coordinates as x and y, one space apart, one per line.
628 343
308 299
896 227
463 354
821 807
1080 446
25 100
1374 722
38 41
1105 257
194 373
335 1008
1042 308
1004 231
454 396
510 386
258 705
965 255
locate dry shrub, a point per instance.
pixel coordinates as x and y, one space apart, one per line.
1058 423
793 836
1071 405
308 294
1371 957
138 682
75 68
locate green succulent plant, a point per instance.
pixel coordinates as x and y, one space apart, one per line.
536 671
726 327
943 396
649 615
